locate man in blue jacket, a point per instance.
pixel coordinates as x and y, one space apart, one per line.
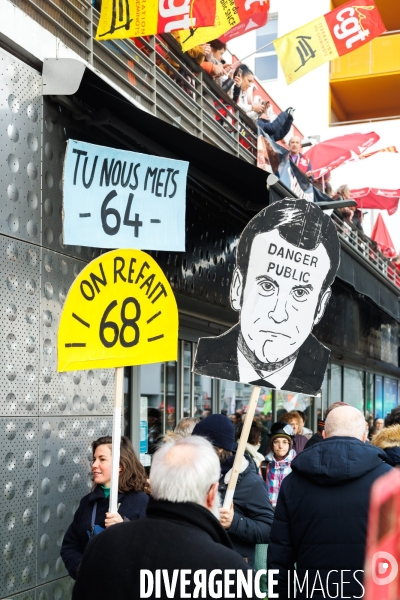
321 517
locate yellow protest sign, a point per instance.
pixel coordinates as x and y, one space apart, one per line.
305 49
226 17
120 311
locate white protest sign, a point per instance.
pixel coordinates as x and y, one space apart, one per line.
118 199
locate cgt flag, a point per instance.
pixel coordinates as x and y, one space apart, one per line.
134 18
334 34
233 18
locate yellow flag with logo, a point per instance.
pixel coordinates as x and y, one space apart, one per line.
336 33
226 17
305 49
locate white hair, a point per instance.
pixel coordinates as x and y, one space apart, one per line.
184 470
345 421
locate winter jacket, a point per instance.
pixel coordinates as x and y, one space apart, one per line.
299 442
132 506
315 439
278 128
388 439
173 536
321 516
253 512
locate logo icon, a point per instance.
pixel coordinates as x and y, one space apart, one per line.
381 573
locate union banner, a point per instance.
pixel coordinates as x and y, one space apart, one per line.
226 17
334 34
134 18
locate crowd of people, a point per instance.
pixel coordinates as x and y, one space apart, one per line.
287 510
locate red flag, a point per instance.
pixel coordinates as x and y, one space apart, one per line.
249 23
332 153
381 236
377 198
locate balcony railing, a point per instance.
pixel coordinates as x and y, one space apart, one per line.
366 249
173 87
166 82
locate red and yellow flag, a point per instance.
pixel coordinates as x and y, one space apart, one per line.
134 18
334 34
230 13
388 149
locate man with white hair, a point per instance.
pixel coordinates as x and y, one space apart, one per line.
179 547
321 517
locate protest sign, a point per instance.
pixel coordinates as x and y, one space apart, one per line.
286 260
118 199
120 311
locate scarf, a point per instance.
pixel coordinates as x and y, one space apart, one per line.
278 470
256 456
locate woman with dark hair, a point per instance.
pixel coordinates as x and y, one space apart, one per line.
243 81
92 515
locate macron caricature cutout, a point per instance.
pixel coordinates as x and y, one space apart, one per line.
286 261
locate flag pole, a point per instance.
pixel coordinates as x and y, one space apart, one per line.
255 52
116 437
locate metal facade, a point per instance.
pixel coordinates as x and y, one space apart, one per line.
47 419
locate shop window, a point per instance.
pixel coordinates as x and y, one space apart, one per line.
336 384
378 396
369 395
354 388
203 405
390 399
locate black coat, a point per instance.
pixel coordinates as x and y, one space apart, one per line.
321 515
133 506
393 456
173 536
253 513
278 128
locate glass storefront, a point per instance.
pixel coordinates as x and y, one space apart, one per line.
353 390
170 391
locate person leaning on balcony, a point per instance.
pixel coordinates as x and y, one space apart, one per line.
215 56
301 161
279 127
243 79
199 53
346 213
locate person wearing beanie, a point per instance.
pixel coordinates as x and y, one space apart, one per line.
248 522
279 459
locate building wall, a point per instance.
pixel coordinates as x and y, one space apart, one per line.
48 419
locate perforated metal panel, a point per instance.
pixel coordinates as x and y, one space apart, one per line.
54 144
18 479
47 420
20 169
72 393
19 301
56 590
64 468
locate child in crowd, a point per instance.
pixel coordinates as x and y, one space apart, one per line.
280 458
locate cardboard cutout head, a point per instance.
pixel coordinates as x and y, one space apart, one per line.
286 260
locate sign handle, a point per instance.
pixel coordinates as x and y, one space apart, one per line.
116 437
251 409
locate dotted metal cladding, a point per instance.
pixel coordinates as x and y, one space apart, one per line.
47 420
205 270
18 483
64 478
20 166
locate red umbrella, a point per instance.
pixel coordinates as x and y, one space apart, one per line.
381 236
330 154
377 198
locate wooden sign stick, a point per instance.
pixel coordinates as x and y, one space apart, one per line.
251 409
116 437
